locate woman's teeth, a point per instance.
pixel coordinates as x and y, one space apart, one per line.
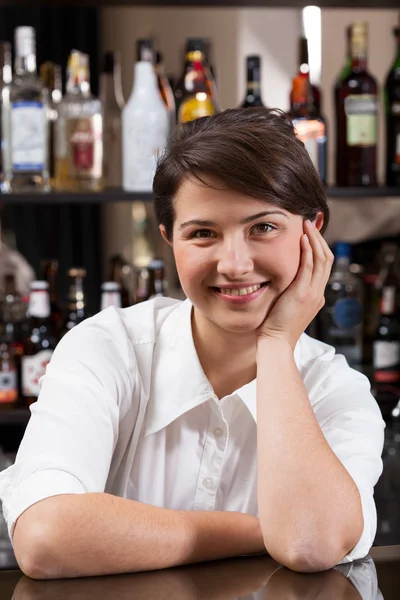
239 292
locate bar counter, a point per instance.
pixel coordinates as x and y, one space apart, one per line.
247 578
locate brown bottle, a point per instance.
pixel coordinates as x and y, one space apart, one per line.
143 285
156 278
76 307
49 272
356 99
39 343
164 85
122 273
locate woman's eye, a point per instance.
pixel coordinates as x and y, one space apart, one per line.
262 228
202 234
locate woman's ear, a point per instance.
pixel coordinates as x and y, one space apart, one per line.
164 235
319 221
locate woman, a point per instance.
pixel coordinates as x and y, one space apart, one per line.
171 432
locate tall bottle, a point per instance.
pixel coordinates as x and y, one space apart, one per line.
76 308
156 278
392 110
26 135
386 345
5 81
110 295
341 317
307 120
356 117
50 74
113 102
79 139
195 92
165 87
49 272
39 343
145 129
253 82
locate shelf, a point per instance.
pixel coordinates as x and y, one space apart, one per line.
110 195
230 3
363 192
16 416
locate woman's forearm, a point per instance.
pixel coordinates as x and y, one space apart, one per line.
78 535
309 507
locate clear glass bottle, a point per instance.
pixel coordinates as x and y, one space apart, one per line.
50 74
341 317
79 132
145 129
26 155
5 80
110 295
113 102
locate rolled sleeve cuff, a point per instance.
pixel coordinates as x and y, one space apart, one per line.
38 486
366 540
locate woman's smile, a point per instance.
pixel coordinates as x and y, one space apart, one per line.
240 295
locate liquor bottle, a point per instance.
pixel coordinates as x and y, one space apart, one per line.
79 139
49 272
386 345
76 308
143 289
253 85
341 317
145 50
122 273
12 315
346 69
113 102
309 124
165 87
50 74
392 109
8 377
195 92
5 80
156 278
356 118
26 135
145 128
110 295
39 343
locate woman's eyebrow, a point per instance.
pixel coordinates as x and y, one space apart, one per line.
202 223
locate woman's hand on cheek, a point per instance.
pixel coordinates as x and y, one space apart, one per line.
296 307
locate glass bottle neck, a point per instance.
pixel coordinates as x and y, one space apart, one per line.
145 79
25 64
359 63
78 84
253 87
39 304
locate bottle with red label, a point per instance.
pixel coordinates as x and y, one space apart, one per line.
39 343
386 345
79 132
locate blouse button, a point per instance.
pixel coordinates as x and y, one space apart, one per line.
208 483
218 432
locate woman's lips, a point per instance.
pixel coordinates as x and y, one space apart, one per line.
239 299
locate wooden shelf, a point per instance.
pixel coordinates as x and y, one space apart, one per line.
119 195
16 416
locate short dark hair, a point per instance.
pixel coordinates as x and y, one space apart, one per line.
254 151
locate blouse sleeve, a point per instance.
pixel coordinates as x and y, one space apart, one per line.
73 429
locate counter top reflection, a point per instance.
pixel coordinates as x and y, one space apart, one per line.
250 578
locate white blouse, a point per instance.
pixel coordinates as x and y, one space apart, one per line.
125 408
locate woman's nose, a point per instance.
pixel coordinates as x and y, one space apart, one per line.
234 259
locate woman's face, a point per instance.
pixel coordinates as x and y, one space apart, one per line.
226 245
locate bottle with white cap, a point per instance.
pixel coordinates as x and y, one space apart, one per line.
39 342
26 135
145 129
110 295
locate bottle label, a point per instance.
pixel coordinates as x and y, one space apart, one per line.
388 302
39 304
110 299
386 360
195 108
142 146
347 313
361 112
28 136
85 147
8 386
312 134
32 369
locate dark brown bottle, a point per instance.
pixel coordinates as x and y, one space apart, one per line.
386 344
253 82
49 272
392 110
76 307
39 343
156 278
356 117
143 285
122 273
